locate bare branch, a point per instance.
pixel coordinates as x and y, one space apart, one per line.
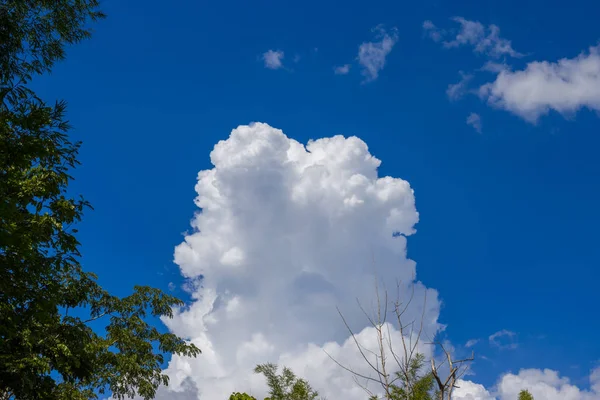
410 336
351 371
356 340
457 369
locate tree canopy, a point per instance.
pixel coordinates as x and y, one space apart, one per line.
412 385
283 386
525 395
47 301
241 396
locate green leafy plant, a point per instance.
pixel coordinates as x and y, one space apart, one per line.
525 395
285 386
241 396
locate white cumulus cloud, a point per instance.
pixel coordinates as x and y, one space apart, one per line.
542 384
372 55
286 233
467 390
565 86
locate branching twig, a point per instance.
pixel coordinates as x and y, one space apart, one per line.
408 359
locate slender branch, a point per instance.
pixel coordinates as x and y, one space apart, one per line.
351 371
358 345
98 317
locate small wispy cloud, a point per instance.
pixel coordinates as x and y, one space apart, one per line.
483 39
494 67
273 59
457 90
372 55
342 69
504 339
471 343
433 32
474 120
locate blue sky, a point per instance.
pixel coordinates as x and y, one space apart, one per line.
508 216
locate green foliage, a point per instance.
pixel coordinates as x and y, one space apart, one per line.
241 396
34 34
412 385
525 395
409 384
285 386
45 351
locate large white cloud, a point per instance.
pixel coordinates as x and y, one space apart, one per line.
564 86
542 384
286 233
467 390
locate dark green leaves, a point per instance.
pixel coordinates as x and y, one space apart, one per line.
411 384
34 34
525 395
